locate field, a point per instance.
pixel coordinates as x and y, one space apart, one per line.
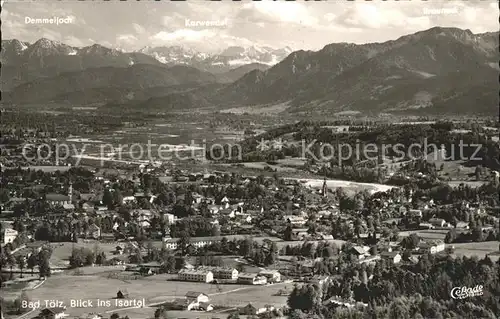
427 234
62 251
272 109
353 186
480 250
153 290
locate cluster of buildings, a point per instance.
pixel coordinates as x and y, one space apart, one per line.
209 274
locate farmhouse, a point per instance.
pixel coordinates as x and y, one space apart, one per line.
9 235
94 231
251 279
432 247
393 256
415 213
298 221
438 222
121 294
53 313
271 275
196 275
359 252
196 296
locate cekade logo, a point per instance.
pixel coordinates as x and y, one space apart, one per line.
464 292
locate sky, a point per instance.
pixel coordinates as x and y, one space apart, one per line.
299 25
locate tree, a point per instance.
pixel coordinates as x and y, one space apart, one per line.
107 199
21 263
162 313
43 264
11 262
234 315
18 303
183 242
411 242
115 316
32 261
287 235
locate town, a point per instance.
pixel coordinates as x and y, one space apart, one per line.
251 160
202 238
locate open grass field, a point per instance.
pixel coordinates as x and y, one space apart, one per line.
62 251
154 289
478 249
431 234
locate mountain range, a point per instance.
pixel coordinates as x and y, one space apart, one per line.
229 58
440 70
23 62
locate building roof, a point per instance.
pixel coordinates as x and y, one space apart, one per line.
56 310
389 254
194 294
87 197
205 305
57 197
217 269
247 275
195 271
68 206
359 250
269 272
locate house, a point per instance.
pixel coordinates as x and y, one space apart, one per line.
69 206
297 221
88 207
115 261
415 213
462 225
438 222
432 247
122 294
359 252
247 310
222 272
198 242
319 280
53 313
128 199
170 218
118 250
9 235
271 275
251 279
300 233
94 231
183 304
57 199
393 256
206 306
402 210
267 308
195 275
439 245
196 296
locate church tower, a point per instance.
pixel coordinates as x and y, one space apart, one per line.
70 192
324 190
